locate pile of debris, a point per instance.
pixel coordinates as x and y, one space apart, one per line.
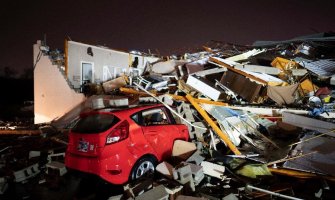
27 154
260 120
265 109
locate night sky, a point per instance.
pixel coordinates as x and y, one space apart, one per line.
166 27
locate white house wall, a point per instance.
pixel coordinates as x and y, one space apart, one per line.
143 60
107 63
77 54
52 95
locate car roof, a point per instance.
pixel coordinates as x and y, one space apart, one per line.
122 110
138 108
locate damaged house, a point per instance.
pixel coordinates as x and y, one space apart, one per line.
59 78
257 121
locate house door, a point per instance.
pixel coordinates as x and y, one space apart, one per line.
87 72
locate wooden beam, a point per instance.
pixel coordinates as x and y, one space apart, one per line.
211 102
132 91
238 71
218 131
287 159
299 174
66 56
20 132
175 97
208 49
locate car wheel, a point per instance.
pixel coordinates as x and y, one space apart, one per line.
145 165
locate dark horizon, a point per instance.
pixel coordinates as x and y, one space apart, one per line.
164 27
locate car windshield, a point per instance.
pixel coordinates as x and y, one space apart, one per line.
95 123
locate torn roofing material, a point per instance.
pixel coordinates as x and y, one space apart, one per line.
325 67
323 37
309 123
322 161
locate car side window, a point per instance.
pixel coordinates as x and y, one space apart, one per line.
156 116
136 117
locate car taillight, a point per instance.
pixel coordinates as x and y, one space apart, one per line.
119 133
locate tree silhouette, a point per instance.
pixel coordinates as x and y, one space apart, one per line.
9 72
27 73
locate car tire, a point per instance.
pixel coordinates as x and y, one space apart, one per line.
144 166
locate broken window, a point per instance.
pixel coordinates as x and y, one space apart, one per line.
154 117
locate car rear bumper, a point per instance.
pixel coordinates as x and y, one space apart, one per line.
110 169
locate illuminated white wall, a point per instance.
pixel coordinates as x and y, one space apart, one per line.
107 63
52 95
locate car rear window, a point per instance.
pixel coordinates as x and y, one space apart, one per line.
95 123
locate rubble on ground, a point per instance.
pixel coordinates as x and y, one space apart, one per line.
260 120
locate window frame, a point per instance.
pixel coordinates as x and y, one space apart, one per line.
140 119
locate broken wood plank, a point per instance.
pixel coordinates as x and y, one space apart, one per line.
271 193
237 71
20 132
290 158
168 107
309 123
299 174
302 141
222 135
175 97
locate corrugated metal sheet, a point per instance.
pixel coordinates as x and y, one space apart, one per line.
324 67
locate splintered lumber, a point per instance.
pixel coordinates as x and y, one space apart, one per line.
221 134
132 91
168 107
299 174
20 132
175 97
211 102
291 158
271 193
237 71
309 123
302 141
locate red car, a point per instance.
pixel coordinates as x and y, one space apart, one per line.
123 145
